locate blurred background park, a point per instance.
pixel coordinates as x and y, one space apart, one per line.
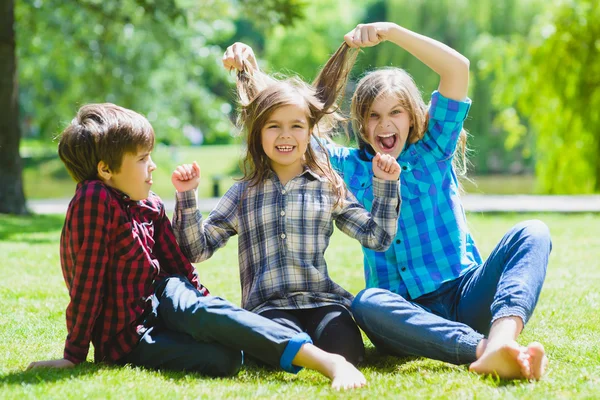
535 74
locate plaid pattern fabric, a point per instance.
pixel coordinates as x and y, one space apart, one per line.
112 250
283 233
433 244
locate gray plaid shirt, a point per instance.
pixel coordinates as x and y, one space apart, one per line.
284 231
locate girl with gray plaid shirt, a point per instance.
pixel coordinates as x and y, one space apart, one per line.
284 207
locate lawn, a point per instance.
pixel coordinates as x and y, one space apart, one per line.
566 321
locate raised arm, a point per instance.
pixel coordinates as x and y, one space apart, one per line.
197 238
450 65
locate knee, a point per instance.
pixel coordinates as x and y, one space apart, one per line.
537 232
364 299
367 303
228 364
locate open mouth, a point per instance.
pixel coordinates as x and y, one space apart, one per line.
285 148
387 141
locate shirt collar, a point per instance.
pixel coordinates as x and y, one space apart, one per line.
307 173
122 196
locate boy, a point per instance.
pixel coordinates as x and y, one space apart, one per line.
133 294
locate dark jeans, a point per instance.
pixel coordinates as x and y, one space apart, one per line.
448 324
331 328
187 331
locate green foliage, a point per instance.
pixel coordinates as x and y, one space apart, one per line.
552 75
160 58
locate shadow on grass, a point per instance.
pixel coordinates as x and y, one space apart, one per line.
13 226
47 375
50 375
390 364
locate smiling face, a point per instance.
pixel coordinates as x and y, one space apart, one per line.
284 139
387 125
134 177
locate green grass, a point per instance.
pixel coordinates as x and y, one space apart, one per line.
46 178
32 326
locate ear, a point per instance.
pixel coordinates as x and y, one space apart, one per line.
104 171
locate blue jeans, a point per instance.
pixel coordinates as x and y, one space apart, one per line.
188 331
448 323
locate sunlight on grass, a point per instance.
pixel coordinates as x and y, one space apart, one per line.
566 321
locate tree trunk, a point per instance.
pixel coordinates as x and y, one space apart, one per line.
12 198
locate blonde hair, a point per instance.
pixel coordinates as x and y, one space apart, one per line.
398 83
261 94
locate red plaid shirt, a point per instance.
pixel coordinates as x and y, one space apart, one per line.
112 251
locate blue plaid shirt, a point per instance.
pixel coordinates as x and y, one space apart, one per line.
284 231
433 244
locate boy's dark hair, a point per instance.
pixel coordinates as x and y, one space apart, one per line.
102 132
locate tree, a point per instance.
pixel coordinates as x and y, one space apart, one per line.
554 80
157 57
12 199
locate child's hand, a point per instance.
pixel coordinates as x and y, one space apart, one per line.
58 363
237 55
367 35
386 167
186 177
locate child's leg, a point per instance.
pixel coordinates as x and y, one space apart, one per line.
407 329
500 298
164 349
333 330
287 318
211 319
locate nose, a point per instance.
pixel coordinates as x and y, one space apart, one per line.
383 122
152 166
285 133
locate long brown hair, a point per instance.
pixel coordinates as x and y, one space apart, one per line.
261 94
398 83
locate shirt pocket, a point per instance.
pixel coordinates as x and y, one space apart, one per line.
415 183
362 189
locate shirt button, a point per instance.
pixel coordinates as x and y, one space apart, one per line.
283 235
283 191
282 213
403 269
398 241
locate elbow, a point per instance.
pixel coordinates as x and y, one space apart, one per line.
381 243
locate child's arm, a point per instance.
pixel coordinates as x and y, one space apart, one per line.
87 244
199 239
451 66
171 257
377 229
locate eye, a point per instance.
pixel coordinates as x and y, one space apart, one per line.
396 111
272 126
373 115
297 126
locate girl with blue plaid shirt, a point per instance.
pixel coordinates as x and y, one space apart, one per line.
284 208
430 293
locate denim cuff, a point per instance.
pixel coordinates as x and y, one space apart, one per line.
512 310
291 350
466 351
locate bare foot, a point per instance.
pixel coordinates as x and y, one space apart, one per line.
507 361
537 360
344 375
